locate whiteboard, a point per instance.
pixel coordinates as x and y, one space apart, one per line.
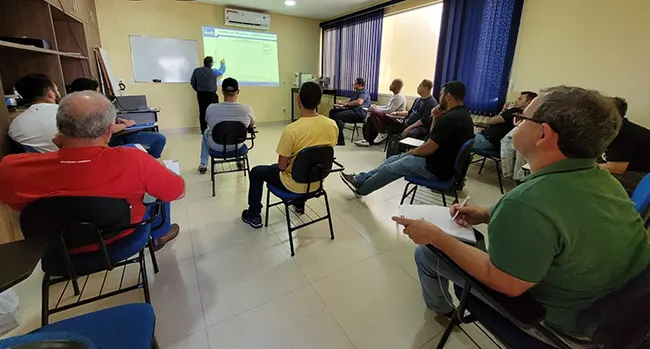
169 60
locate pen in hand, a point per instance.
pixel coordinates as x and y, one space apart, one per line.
453 219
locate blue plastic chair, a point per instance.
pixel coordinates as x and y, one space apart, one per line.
125 326
227 133
311 165
74 222
442 186
494 155
641 198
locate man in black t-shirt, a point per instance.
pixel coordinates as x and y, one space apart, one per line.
432 160
628 156
500 125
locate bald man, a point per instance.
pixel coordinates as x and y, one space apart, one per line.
86 166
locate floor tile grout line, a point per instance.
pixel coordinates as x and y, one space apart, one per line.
332 315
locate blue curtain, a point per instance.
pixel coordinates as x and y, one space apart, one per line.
351 49
477 45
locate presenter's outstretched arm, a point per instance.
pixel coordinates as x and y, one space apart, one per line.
218 73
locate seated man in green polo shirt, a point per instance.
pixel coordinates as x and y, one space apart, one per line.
568 235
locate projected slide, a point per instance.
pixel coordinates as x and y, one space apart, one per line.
251 57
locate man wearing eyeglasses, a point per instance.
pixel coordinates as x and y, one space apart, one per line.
568 235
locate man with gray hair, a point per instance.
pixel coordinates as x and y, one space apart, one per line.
86 166
568 235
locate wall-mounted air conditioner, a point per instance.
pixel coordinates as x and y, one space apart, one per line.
248 19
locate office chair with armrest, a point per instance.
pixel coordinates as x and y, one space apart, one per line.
227 133
454 184
641 198
620 317
74 222
311 165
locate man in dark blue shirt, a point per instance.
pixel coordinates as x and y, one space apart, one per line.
353 111
204 82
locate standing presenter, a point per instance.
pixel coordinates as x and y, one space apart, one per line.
204 82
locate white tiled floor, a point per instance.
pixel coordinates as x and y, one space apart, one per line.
224 285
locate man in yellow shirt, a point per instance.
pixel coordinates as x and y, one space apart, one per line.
310 130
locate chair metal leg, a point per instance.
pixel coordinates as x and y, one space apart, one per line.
415 190
453 322
406 188
152 254
286 211
455 196
75 286
145 280
268 201
212 176
482 164
497 163
248 166
329 215
45 301
444 198
354 129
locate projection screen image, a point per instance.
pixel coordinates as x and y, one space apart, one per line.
251 57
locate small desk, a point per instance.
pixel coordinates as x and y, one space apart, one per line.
22 257
141 116
329 92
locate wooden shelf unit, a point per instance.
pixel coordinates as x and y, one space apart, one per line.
65 24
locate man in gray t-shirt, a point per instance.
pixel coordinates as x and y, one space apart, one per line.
353 111
229 110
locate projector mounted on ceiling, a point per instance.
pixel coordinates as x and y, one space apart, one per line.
248 19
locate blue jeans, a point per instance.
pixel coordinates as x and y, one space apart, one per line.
153 141
480 142
394 168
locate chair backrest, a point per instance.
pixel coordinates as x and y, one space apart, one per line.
621 319
229 132
641 198
312 164
75 220
462 162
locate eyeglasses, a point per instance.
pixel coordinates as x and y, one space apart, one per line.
519 118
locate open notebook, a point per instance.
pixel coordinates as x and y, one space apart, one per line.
438 215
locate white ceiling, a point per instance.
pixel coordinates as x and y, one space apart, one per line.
319 9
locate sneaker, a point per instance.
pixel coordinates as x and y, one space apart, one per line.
300 209
348 179
362 143
253 221
203 169
241 165
380 138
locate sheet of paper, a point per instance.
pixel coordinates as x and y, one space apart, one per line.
412 142
438 215
173 166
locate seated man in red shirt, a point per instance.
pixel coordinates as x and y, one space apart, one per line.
86 166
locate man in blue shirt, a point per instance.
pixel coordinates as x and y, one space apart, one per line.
204 82
353 111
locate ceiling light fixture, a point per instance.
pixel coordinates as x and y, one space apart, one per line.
290 3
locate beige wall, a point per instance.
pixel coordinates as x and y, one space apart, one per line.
298 47
597 44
